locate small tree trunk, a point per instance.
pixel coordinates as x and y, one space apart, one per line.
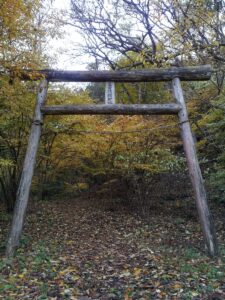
27 173
110 93
195 172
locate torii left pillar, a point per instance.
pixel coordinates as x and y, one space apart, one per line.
27 172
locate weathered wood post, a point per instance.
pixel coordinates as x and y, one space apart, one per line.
110 93
27 173
112 109
195 172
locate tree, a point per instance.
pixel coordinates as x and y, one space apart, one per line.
16 110
160 32
25 28
23 36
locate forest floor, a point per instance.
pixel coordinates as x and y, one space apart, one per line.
75 249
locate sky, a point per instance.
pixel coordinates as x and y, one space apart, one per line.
62 48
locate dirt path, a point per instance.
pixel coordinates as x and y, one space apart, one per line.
72 251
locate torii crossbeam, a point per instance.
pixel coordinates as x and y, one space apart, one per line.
175 75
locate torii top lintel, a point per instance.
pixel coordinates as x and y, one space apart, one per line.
193 73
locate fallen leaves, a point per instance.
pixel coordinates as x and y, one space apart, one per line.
137 272
98 254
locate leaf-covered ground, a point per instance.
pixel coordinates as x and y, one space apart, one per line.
75 250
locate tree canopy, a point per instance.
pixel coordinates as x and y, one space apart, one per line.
159 32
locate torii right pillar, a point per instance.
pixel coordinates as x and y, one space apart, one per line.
195 172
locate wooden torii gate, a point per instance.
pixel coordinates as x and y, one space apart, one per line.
175 75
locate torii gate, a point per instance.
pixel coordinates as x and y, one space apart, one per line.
151 75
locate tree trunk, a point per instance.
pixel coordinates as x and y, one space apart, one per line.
113 109
195 172
147 75
27 173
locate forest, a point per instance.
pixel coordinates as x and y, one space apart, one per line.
112 212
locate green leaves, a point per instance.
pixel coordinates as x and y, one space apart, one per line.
4 163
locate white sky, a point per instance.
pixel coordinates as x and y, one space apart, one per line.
62 48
